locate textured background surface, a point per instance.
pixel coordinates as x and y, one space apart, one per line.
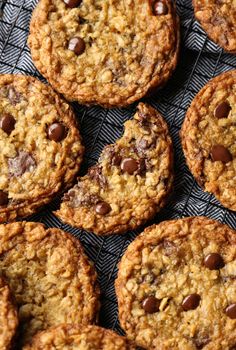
200 60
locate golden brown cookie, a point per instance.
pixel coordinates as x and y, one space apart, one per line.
104 52
8 317
176 286
218 19
208 138
40 144
67 337
49 275
130 182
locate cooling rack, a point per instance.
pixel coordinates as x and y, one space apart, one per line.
200 60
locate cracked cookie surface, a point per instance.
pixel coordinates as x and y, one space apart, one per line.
208 138
40 144
105 52
49 275
71 337
176 286
130 182
218 19
8 317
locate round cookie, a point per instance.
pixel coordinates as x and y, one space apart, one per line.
49 275
130 182
218 19
105 52
176 286
40 144
208 138
8 317
66 337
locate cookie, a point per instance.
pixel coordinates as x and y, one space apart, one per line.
176 286
67 336
208 138
218 19
104 52
40 144
130 182
49 275
8 317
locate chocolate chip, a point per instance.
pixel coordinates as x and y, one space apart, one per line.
214 261
169 247
129 165
21 163
3 198
151 304
222 110
191 302
160 8
7 123
102 208
56 132
72 3
77 45
220 153
231 311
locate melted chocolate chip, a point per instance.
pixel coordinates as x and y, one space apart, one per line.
56 132
116 160
200 341
231 311
169 248
129 165
72 3
151 304
13 95
21 163
95 173
214 261
102 208
220 153
3 198
143 144
222 110
191 302
80 196
160 8
77 45
7 123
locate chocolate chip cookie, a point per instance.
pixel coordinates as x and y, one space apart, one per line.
40 144
208 138
49 275
218 19
176 286
66 337
130 182
8 317
104 52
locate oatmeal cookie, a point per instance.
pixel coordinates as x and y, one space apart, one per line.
65 337
40 144
218 19
104 52
49 275
130 182
208 138
176 286
8 317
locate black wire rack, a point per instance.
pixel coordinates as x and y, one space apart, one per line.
200 60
